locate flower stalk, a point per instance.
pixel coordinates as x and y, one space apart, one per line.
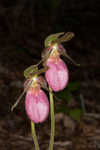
34 136
52 120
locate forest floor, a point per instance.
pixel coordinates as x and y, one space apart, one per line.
15 132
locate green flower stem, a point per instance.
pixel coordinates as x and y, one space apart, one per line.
52 120
34 136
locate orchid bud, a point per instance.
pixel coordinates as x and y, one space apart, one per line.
57 75
36 105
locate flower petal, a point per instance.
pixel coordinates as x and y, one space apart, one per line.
37 106
57 75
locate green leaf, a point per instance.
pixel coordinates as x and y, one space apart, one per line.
55 3
75 114
73 86
62 109
68 97
64 95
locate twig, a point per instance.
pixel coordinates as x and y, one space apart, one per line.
60 143
94 115
82 103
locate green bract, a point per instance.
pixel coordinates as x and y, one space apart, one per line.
30 70
52 38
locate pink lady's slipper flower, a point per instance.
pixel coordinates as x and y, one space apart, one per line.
57 74
36 104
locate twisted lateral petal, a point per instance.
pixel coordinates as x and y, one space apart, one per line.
57 75
37 106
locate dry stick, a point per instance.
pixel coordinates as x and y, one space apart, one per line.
93 115
82 103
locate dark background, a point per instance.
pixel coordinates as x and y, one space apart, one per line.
24 24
